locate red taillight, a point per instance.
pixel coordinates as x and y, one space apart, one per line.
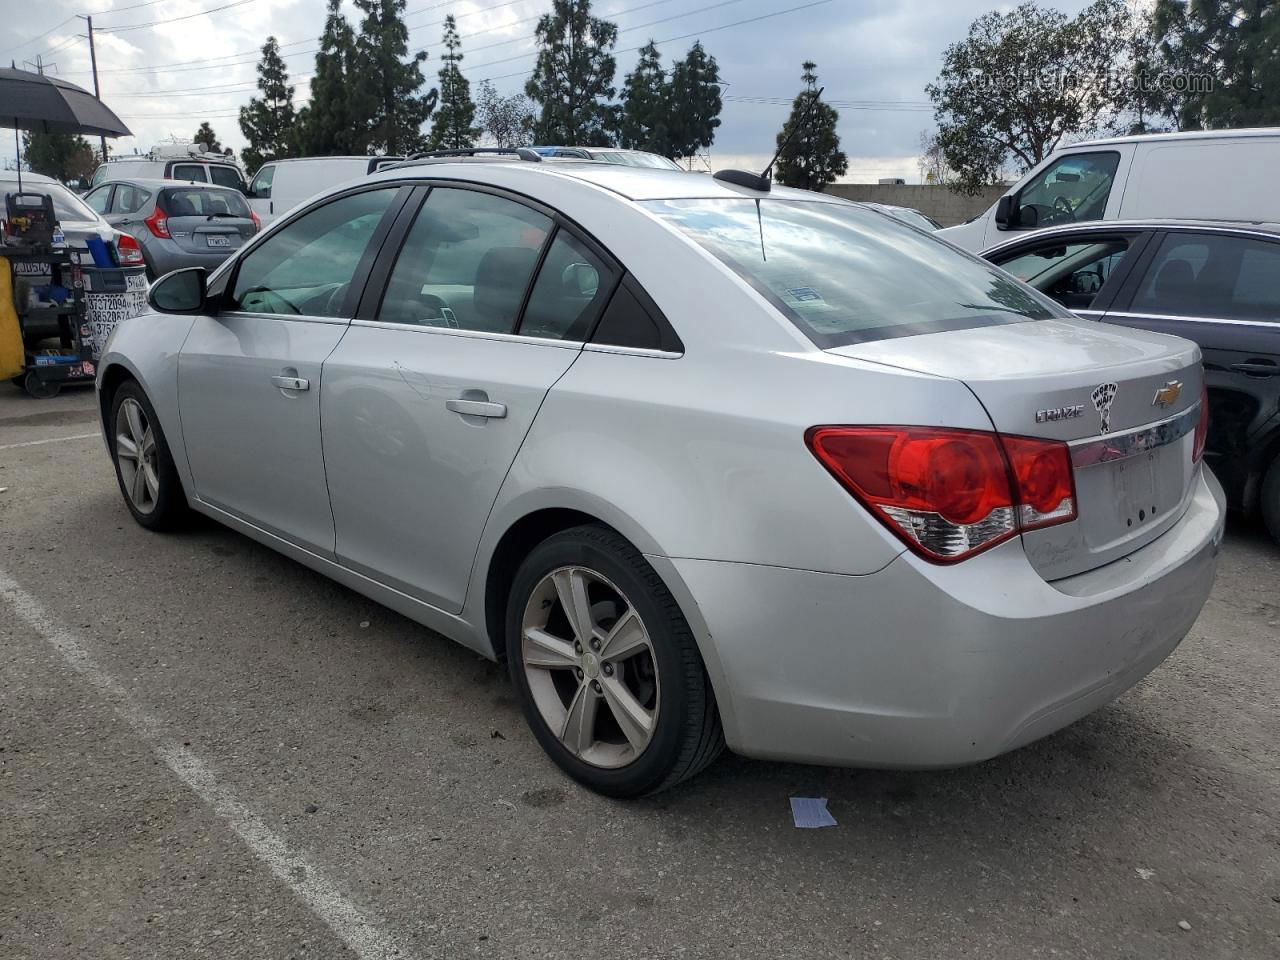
1202 427
257 222
158 223
128 253
949 494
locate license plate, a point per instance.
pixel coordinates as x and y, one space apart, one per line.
214 240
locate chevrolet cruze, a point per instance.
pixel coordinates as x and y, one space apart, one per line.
704 463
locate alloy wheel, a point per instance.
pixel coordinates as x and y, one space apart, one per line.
589 662
136 455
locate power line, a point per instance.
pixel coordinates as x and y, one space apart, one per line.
39 36
188 16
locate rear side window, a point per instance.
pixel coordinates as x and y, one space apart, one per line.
1212 276
632 320
203 203
225 176
129 199
844 274
98 199
571 288
189 171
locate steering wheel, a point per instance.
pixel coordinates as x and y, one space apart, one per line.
437 310
1063 205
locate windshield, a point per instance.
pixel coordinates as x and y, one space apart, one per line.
844 274
67 207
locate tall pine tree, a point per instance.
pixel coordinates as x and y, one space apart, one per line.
812 157
646 105
453 127
573 79
329 126
695 102
267 123
386 86
206 136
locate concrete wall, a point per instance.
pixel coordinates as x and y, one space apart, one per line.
938 202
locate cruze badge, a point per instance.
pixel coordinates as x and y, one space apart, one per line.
1059 413
1102 397
1167 395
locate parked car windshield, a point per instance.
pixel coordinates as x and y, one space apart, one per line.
203 203
66 205
844 274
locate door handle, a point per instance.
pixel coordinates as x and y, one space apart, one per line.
291 383
1257 368
477 408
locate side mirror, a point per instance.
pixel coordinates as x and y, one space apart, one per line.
182 291
1007 212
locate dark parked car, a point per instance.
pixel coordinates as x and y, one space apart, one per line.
177 225
1216 283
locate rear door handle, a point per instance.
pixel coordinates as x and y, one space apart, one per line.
291 383
1259 368
477 408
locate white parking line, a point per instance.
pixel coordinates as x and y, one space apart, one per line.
40 443
325 900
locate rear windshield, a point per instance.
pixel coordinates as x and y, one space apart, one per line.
67 207
844 274
203 203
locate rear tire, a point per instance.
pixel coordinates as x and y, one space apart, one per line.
617 695
144 466
1270 496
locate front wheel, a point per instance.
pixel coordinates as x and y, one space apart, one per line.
607 669
144 466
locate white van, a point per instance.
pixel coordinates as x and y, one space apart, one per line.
281 185
173 161
1203 174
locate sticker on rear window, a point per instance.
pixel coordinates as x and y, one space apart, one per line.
804 293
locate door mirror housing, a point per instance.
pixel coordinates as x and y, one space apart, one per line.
1007 212
182 291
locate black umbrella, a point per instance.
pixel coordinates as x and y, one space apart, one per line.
33 101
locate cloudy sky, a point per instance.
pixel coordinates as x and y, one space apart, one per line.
166 65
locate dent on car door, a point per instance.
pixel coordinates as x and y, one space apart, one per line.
249 374
1221 290
433 389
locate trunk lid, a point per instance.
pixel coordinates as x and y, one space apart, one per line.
207 220
1126 401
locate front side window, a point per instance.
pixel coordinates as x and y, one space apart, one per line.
570 291
1070 273
307 266
189 171
1072 189
128 199
100 174
1212 276
225 176
844 274
260 189
466 263
98 199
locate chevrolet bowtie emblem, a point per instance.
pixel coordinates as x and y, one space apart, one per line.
1167 395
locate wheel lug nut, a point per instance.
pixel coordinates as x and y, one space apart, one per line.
595 644
579 673
608 669
595 685
577 648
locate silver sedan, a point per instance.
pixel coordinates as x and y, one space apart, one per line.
704 463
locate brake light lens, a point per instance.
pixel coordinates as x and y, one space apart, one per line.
158 223
949 494
128 253
1202 427
257 221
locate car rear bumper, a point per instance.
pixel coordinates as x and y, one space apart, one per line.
920 665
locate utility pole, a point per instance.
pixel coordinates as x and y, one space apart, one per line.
93 60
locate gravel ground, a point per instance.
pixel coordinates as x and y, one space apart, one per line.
208 751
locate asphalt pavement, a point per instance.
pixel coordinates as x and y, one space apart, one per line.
207 750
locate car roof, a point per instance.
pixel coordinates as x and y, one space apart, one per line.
10 176
155 183
366 159
632 183
1176 135
1124 226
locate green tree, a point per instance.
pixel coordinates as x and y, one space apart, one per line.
453 126
812 157
206 136
1236 45
328 125
646 105
508 119
64 156
695 103
573 79
267 123
387 86
1022 81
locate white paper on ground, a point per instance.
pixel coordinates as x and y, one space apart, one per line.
809 812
